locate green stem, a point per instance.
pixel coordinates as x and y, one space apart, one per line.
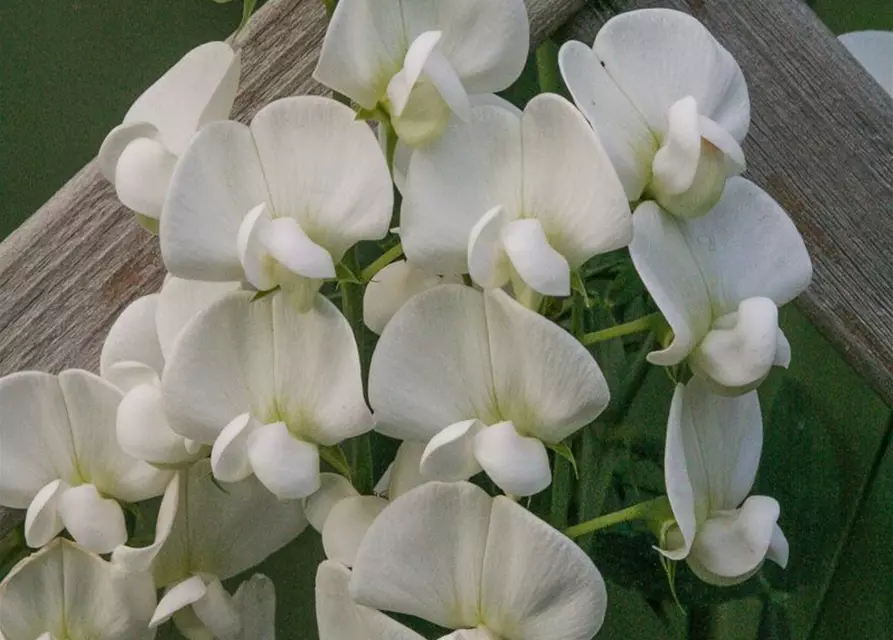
381 262
547 67
638 325
641 511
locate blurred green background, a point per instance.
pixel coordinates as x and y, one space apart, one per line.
70 68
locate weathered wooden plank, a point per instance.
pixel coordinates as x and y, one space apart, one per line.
74 265
821 142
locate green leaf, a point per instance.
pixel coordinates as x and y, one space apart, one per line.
563 450
562 487
774 623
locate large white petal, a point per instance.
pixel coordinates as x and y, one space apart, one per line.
95 523
666 266
133 338
680 489
722 437
319 388
225 532
748 247
285 465
570 185
874 51
339 617
143 430
389 290
200 88
42 521
620 127
424 554
34 427
92 405
63 587
142 558
485 42
732 545
658 56
255 600
221 367
217 181
363 48
536 262
333 488
536 582
179 302
519 465
452 182
347 524
449 455
545 381
431 367
325 169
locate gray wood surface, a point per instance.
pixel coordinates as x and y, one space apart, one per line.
73 266
821 142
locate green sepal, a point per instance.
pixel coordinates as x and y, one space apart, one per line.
563 450
260 295
346 275
336 458
148 223
376 113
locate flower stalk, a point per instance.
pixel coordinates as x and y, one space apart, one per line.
638 325
641 511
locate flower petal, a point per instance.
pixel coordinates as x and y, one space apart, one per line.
659 56
347 524
218 180
143 175
389 290
545 381
449 455
874 51
731 546
620 127
286 466
667 267
290 246
143 431
455 180
116 141
779 550
538 264
405 473
133 338
339 617
536 582
676 162
739 350
748 247
324 169
95 523
570 185
519 465
229 456
431 367
259 269
66 589
255 600
680 489
333 488
488 263
180 596
142 558
42 521
218 613
424 554
179 302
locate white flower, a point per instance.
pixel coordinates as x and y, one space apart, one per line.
391 287
60 459
452 555
719 281
419 60
874 51
266 386
485 382
277 203
205 535
64 591
139 156
669 103
503 197
712 454
133 358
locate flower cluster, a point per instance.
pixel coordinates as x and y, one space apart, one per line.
246 393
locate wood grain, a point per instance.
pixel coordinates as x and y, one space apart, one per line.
73 266
821 142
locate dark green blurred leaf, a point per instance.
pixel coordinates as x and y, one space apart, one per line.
774 623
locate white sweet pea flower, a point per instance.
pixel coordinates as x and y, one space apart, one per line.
391 287
139 156
719 281
205 535
64 591
669 103
266 386
452 555
133 358
60 459
514 199
874 51
420 60
712 454
276 204
485 382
